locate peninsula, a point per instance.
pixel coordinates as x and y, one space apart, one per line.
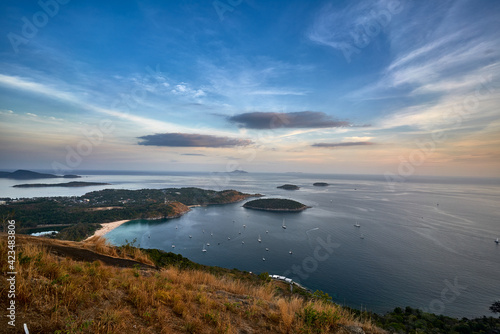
275 204
66 184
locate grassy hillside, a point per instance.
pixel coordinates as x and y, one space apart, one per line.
58 294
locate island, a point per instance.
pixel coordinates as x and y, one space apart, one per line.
275 204
23 174
66 184
289 187
320 184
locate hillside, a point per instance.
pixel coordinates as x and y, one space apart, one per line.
275 204
68 287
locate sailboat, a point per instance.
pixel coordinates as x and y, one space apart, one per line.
204 249
260 240
283 225
290 252
496 241
357 224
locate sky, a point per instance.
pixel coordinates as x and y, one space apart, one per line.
389 87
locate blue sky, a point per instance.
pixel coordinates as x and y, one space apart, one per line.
381 87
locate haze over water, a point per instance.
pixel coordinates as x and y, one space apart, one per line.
427 244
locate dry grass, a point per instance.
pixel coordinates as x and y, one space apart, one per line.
60 295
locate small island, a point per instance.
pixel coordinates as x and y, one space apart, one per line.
67 184
289 187
320 184
275 204
22 174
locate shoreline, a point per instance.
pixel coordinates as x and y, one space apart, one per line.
107 227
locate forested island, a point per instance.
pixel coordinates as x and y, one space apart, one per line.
86 212
320 184
22 174
275 204
289 187
67 184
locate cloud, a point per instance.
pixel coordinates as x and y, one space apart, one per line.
273 120
333 145
191 140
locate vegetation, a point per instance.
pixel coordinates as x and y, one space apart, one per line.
320 184
411 320
60 295
109 205
289 187
275 204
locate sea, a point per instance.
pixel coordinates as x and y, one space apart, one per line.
424 242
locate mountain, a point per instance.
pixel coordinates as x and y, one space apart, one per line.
22 174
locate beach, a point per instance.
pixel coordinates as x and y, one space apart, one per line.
107 227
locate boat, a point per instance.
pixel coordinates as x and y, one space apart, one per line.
204 249
357 224
242 242
362 236
208 244
497 242
290 252
190 236
263 259
267 231
259 240
267 249
244 226
173 246
283 225
228 238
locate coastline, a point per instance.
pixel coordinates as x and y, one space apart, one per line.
107 227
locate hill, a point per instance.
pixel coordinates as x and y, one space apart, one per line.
23 174
70 287
275 204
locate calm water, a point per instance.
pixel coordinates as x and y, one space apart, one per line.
427 244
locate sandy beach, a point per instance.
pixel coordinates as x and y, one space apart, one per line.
107 227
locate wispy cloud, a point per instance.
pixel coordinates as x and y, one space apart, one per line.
343 144
191 140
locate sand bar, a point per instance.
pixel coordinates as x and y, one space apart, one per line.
107 227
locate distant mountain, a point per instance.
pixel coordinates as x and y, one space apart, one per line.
23 174
67 184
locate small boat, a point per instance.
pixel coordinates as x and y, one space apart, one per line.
357 224
263 259
283 225
239 232
259 240
149 236
208 244
267 249
190 236
176 227
242 242
204 249
361 236
228 238
173 246
290 252
211 234
267 231
244 226
497 241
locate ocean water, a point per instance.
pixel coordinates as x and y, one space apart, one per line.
426 243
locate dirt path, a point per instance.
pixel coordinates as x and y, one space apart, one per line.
82 254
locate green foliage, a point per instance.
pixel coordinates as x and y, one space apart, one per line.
322 296
274 203
318 321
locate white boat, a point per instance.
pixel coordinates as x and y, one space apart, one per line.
357 224
267 231
259 240
190 236
204 249
228 238
267 249
263 259
290 252
283 225
242 242
208 244
497 241
173 246
244 226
